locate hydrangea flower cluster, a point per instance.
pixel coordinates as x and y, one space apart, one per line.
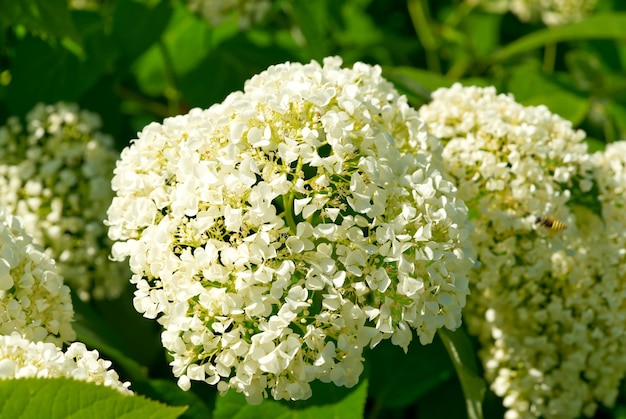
22 358
610 175
55 176
33 299
215 12
550 12
277 234
546 304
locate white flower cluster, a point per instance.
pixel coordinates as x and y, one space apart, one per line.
610 174
548 300
36 314
33 299
550 12
277 234
22 358
248 12
56 177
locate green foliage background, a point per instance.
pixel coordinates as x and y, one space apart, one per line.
138 61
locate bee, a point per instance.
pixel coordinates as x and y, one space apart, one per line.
551 223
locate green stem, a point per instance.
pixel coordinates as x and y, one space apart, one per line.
418 10
288 212
549 57
171 91
152 106
288 202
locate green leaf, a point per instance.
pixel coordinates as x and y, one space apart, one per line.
185 43
533 89
416 83
483 29
594 145
137 26
616 114
97 332
168 392
238 60
398 379
444 401
599 26
352 406
64 398
312 19
47 72
462 354
48 18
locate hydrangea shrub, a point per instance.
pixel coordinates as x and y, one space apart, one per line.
550 12
33 298
23 358
55 175
548 304
277 234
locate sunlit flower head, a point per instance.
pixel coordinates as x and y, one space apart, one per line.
547 310
22 358
33 299
55 175
277 234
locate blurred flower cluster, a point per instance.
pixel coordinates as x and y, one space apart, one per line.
36 314
55 175
33 298
550 12
548 300
23 358
247 12
279 233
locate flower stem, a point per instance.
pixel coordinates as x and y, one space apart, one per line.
288 211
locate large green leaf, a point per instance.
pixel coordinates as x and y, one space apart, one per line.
226 68
137 26
104 333
184 44
63 398
47 18
47 72
398 379
482 30
312 19
600 26
416 83
463 357
533 88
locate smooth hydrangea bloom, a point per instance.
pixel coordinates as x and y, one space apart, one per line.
547 308
248 12
55 176
22 358
33 299
550 12
610 173
277 234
